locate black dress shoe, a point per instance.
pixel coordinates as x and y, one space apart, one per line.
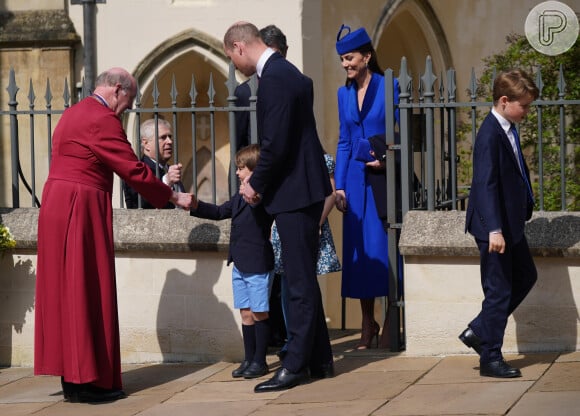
91 394
499 369
470 338
256 370
324 371
239 372
282 380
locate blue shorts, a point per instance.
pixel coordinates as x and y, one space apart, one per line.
252 290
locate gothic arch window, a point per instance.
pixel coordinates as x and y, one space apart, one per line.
181 70
411 28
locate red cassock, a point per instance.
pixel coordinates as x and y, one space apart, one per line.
76 319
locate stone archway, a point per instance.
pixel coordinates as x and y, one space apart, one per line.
189 63
411 29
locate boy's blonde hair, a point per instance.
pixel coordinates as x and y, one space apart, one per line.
514 84
248 157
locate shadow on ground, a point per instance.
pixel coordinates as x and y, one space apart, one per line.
151 376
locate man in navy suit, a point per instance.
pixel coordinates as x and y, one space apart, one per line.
500 202
158 161
292 181
275 39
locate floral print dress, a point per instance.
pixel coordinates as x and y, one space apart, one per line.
328 261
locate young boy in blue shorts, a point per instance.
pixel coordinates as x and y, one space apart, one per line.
253 258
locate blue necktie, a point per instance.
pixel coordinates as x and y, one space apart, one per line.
521 161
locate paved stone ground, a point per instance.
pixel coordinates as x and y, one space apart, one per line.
372 382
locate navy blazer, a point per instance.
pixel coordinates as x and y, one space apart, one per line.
242 118
499 197
131 196
291 173
250 246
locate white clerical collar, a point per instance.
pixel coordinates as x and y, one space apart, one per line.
262 61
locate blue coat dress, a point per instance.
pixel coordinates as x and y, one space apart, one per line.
365 248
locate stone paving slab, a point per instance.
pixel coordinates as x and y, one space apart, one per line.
223 391
367 383
8 375
568 357
532 366
132 405
390 363
164 378
226 408
456 399
21 409
465 368
560 377
352 387
337 408
548 404
32 389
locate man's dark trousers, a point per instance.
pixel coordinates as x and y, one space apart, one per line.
309 345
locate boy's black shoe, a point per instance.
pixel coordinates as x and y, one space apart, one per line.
238 372
256 370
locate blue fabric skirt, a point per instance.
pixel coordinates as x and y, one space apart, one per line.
365 243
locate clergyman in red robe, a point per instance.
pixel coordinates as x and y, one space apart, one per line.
76 318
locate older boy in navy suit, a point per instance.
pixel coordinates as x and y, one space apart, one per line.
253 258
500 202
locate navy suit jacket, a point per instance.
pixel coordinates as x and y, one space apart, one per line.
131 195
291 173
499 197
242 118
250 246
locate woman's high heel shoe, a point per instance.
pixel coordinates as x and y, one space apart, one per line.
369 332
385 336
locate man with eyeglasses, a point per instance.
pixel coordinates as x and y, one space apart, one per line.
76 331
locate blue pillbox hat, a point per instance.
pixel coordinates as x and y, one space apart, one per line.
352 40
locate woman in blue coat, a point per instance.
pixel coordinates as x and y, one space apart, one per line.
361 109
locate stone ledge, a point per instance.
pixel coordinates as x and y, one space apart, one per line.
424 233
37 28
441 233
136 230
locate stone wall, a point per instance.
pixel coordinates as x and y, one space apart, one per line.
175 300
443 290
173 283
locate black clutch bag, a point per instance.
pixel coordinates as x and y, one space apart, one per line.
379 146
377 178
